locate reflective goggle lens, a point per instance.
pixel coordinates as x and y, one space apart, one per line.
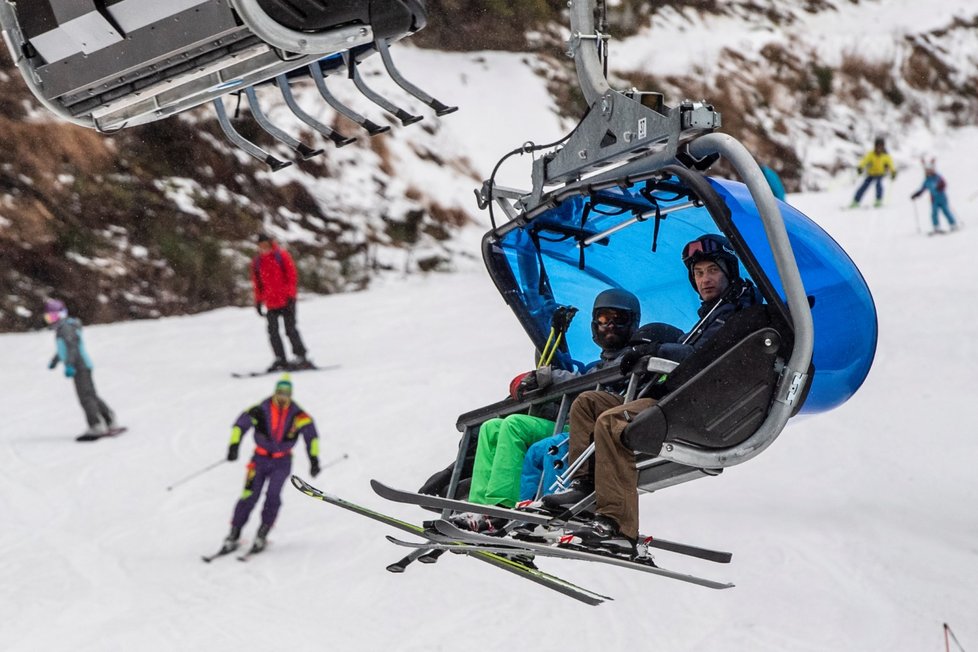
605 317
703 246
51 317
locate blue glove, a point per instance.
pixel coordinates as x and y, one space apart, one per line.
69 371
54 362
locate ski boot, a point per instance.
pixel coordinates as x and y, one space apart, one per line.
475 522
230 541
260 542
576 491
97 429
280 364
602 536
300 363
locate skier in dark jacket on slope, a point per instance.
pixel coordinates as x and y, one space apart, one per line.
275 283
601 417
278 424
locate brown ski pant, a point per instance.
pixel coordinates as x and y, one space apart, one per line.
601 417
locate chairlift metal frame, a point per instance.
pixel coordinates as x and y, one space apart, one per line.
621 141
111 65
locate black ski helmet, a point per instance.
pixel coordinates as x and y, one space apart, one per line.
616 299
715 248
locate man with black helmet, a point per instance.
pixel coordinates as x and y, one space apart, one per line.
503 442
601 417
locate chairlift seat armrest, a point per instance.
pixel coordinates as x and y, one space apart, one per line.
661 365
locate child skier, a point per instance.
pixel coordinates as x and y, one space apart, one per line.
278 423
934 184
78 366
876 163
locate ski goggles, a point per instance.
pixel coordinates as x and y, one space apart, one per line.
52 318
612 318
703 247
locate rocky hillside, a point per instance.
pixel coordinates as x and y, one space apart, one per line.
161 219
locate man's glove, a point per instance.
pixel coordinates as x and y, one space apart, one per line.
314 467
290 304
530 381
69 371
259 310
54 362
232 452
893 175
634 355
859 170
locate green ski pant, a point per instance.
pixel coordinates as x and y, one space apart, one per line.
499 457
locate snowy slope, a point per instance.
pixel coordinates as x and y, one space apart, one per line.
855 531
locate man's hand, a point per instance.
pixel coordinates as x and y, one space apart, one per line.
634 355
314 467
259 309
69 371
54 362
530 381
232 452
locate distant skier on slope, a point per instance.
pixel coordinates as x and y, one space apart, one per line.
934 184
278 424
275 283
77 366
875 163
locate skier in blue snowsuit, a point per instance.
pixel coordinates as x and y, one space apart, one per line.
934 184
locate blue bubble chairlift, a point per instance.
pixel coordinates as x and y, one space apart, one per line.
612 205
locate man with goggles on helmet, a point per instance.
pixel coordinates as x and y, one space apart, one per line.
601 417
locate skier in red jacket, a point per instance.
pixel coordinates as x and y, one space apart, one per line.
275 282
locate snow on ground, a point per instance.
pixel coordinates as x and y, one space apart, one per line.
856 530
678 39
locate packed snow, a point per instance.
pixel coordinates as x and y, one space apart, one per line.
854 531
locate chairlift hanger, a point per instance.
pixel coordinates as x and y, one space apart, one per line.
111 65
621 141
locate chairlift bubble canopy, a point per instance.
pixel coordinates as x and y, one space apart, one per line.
540 263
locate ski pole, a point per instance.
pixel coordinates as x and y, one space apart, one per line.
196 473
334 462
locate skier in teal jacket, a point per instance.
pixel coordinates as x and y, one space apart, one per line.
78 366
934 184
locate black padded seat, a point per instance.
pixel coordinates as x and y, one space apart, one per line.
718 396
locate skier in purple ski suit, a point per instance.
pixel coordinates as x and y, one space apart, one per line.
278 422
